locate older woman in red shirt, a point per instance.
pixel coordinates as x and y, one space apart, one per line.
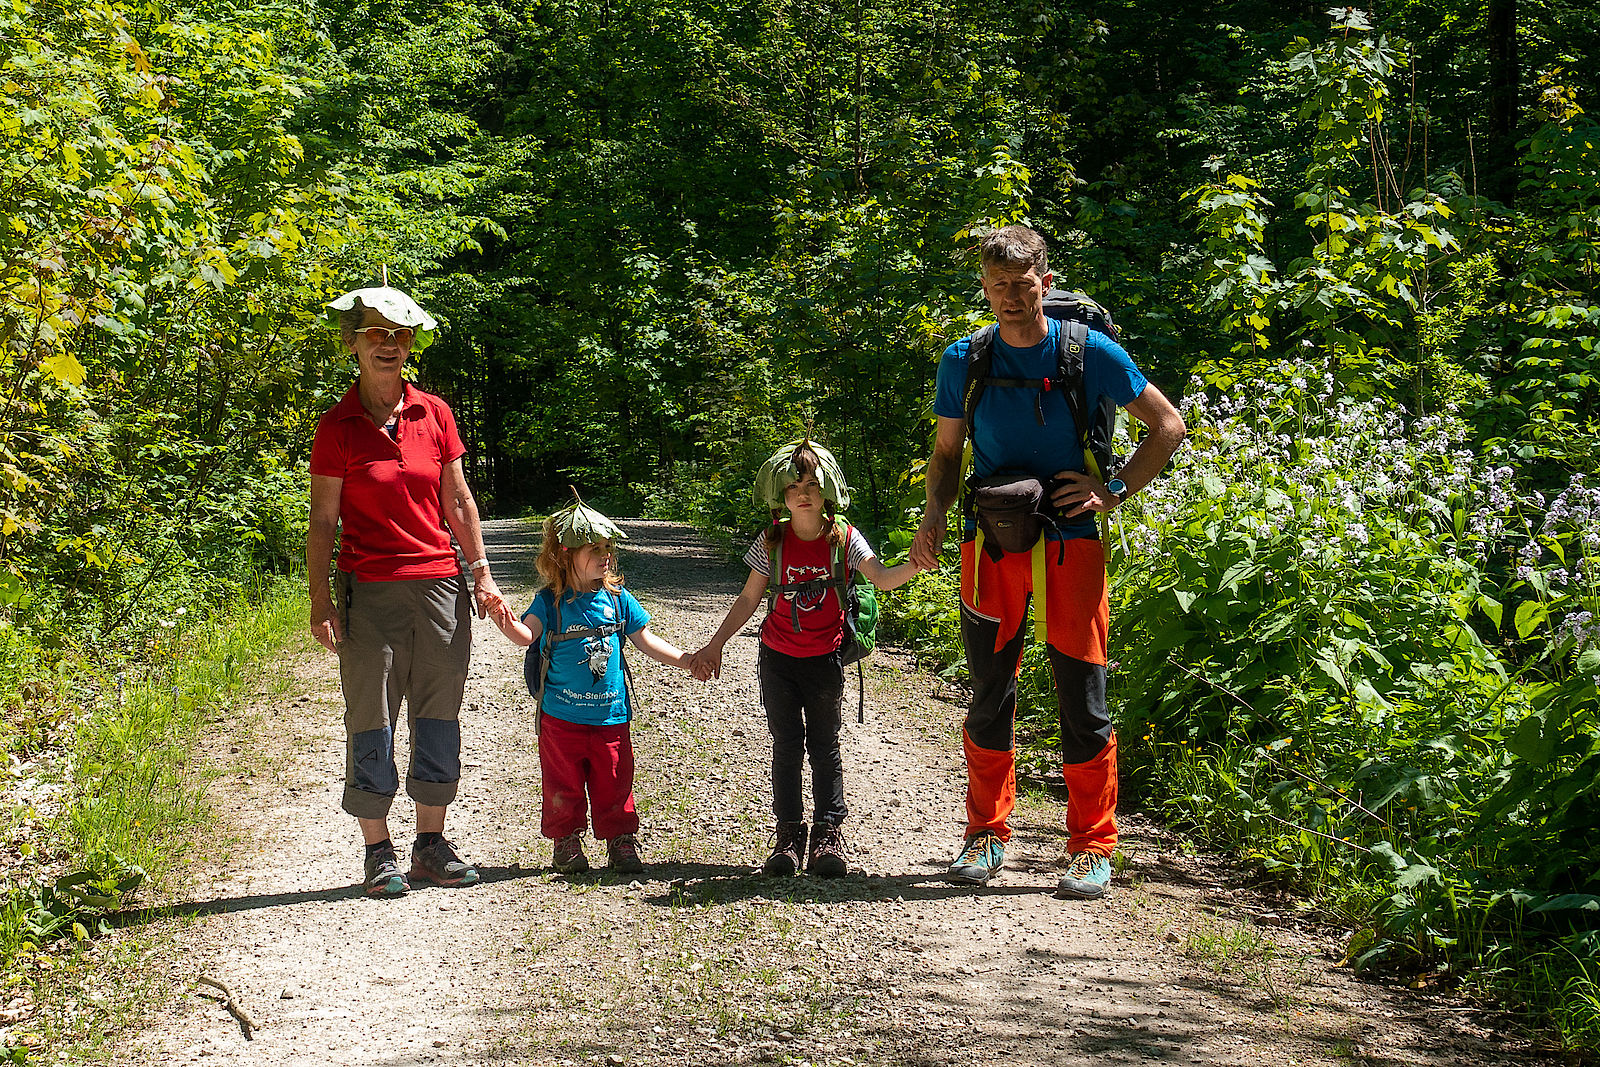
387 485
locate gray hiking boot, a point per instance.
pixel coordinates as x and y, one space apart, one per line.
438 863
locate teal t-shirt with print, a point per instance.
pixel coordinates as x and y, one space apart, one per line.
586 684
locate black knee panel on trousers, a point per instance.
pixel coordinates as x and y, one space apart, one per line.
1081 698
992 714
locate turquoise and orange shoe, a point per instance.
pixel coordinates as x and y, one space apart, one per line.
1087 876
981 857
383 875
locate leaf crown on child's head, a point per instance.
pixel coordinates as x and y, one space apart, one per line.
578 524
782 470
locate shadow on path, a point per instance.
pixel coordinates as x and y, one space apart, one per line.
257 901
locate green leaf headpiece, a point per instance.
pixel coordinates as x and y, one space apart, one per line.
779 472
393 305
578 524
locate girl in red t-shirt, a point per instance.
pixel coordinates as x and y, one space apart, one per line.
799 664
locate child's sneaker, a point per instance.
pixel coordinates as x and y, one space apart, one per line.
622 852
1087 877
827 852
569 857
981 856
789 853
383 875
438 862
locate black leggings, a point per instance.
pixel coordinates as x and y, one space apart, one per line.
802 696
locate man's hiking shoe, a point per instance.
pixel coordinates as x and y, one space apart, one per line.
384 877
827 852
622 852
1087 877
438 863
790 851
569 857
981 856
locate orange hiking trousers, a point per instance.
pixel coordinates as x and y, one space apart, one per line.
995 599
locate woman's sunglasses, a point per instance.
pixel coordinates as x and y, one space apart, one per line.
377 335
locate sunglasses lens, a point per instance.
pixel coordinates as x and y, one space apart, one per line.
379 334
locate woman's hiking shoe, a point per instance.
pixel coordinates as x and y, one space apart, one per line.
981 856
438 862
827 852
1086 877
569 857
384 877
790 851
622 852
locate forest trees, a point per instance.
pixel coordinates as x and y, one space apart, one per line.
161 224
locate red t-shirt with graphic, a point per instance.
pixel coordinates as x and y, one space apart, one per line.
822 613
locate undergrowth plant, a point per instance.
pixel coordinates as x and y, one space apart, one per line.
120 802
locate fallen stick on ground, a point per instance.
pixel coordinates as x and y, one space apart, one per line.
247 1025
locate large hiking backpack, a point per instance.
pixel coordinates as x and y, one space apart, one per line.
536 661
1096 423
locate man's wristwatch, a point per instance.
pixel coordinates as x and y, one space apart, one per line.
1118 488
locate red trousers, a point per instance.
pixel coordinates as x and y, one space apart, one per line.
575 758
995 598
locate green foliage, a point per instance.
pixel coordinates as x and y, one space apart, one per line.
162 238
133 796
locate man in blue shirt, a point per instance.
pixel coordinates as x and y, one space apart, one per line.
1032 433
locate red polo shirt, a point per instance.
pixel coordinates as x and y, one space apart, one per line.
390 514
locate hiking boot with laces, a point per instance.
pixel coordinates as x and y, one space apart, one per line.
789 852
980 858
383 875
569 857
827 852
622 852
439 863
1087 876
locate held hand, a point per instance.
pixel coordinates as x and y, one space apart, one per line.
487 595
708 663
325 626
928 543
1081 493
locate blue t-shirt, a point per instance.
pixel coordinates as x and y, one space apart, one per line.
1006 435
586 684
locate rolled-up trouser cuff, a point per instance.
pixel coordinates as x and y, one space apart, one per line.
433 794
364 805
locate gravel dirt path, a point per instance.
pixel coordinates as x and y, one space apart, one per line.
702 960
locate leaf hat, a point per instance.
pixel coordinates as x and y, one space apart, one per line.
578 524
779 472
392 304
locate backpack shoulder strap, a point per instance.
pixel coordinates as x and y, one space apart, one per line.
622 654
1070 351
775 584
980 356
548 642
